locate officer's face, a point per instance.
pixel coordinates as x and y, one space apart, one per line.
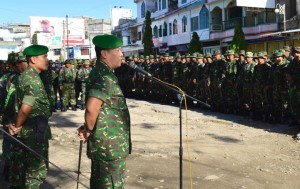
249 59
113 57
40 62
261 60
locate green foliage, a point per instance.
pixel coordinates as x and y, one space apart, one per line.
147 37
238 42
195 45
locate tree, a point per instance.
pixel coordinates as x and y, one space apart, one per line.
34 39
147 38
238 42
195 45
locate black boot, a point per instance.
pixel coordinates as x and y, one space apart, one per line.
74 108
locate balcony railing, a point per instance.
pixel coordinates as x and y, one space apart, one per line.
290 24
248 21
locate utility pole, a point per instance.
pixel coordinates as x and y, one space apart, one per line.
63 44
67 37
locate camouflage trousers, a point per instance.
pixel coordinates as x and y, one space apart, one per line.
216 96
83 91
294 94
260 100
280 103
230 95
108 174
69 94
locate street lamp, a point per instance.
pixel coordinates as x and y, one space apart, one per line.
280 9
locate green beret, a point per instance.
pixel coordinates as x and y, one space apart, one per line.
107 41
86 62
35 50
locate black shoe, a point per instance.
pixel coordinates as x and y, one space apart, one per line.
74 108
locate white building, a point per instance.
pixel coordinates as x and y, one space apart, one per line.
118 13
174 21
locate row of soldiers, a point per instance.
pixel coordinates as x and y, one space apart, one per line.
246 83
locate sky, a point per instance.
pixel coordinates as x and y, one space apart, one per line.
16 12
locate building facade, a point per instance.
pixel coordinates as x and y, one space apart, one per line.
173 23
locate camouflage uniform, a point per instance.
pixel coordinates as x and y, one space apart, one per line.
280 90
56 88
67 80
35 132
48 78
293 77
261 85
82 76
109 144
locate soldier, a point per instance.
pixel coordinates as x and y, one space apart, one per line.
78 88
229 85
11 150
293 78
200 78
82 76
278 83
287 53
107 128
168 77
216 77
48 78
32 120
245 81
56 88
260 86
67 77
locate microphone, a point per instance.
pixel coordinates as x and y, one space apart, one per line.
139 69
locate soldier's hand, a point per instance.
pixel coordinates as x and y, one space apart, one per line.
83 134
12 129
61 87
220 85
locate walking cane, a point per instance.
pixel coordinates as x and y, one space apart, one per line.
79 161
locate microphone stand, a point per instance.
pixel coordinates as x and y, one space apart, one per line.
180 97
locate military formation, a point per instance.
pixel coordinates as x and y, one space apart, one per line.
262 86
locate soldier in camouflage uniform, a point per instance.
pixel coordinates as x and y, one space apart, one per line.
245 81
261 85
56 89
200 78
216 76
11 150
287 53
31 125
229 84
67 77
107 128
293 78
82 76
278 83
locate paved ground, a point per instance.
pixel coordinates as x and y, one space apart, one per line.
226 151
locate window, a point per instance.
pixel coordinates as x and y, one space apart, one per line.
160 31
143 10
155 31
140 36
159 4
184 24
194 23
183 1
85 51
156 6
57 52
175 31
164 4
165 32
170 28
204 19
